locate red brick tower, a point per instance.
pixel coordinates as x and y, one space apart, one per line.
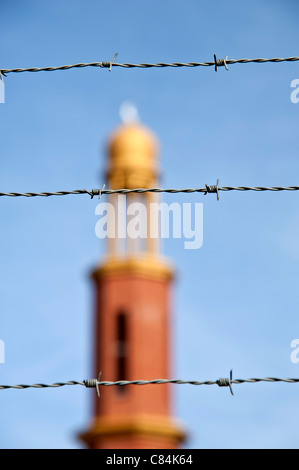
133 311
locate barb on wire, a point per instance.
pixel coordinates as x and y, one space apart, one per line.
96 383
216 63
91 383
226 382
213 189
110 64
220 62
101 190
207 189
2 88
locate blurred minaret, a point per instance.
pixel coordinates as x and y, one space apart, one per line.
133 313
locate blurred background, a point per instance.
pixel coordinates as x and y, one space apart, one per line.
236 298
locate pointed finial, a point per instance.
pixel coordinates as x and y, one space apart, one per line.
128 113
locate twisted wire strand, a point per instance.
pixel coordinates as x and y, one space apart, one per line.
96 192
58 384
94 382
109 65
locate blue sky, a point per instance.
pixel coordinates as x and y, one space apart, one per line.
236 298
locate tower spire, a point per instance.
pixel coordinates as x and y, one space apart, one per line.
133 312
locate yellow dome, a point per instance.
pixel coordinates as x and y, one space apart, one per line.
132 147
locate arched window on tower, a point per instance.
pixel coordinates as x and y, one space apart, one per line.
121 349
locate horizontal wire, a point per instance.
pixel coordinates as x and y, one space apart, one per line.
93 382
195 382
99 192
106 64
58 384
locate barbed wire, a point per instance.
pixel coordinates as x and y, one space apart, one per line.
207 189
109 64
96 383
58 384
